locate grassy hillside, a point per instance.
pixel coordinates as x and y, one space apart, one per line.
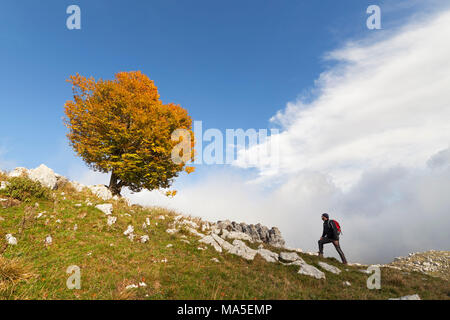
110 261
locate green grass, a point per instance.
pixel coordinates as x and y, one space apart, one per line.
109 261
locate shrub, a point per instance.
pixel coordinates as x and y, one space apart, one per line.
23 189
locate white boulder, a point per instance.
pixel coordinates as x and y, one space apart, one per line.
210 240
268 255
111 220
289 256
311 271
11 239
77 186
44 175
410 297
329 268
106 208
101 191
242 250
129 230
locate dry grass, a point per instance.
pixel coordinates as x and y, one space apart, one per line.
13 271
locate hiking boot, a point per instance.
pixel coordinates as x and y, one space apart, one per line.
320 254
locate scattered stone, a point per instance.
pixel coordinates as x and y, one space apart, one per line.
210 240
195 232
161 217
144 239
111 220
201 248
169 245
129 230
3 185
164 260
329 268
410 297
215 260
268 255
185 241
237 235
241 249
131 286
223 243
311 271
101 191
48 240
171 231
78 204
11 239
289 256
75 227
147 221
77 186
346 284
106 208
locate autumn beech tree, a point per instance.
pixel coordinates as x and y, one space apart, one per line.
121 127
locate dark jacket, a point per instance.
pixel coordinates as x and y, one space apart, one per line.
329 230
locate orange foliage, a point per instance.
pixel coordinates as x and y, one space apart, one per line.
121 126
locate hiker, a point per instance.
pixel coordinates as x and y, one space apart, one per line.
330 234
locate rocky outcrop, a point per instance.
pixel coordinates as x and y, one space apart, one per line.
258 232
433 262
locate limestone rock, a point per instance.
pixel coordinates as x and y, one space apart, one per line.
111 220
311 271
257 232
129 230
17 172
268 255
210 240
171 231
238 235
242 250
410 297
289 256
101 191
44 175
77 186
329 268
3 185
11 239
48 240
106 208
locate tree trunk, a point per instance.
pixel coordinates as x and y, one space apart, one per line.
114 186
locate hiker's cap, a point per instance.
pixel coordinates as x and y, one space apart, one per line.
325 215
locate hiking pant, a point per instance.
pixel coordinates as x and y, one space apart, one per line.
336 245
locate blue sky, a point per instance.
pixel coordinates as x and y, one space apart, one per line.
232 64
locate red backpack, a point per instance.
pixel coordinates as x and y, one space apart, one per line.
337 226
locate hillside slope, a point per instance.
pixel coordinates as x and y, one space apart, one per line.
131 252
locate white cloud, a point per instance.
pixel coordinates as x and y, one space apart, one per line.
384 104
